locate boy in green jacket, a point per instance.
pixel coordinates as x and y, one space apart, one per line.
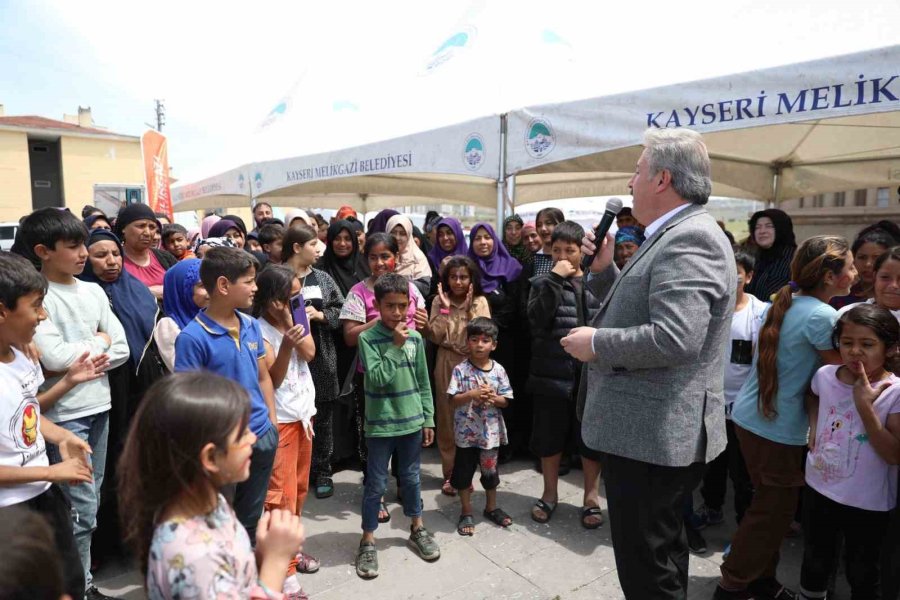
399 417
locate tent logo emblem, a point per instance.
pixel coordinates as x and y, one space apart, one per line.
276 113
474 153
451 47
539 138
241 182
257 179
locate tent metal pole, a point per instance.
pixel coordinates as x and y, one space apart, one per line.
511 193
776 187
501 181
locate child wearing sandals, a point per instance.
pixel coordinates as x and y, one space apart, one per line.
399 417
479 388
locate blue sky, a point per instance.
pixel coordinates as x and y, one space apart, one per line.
357 69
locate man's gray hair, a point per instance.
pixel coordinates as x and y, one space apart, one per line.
682 153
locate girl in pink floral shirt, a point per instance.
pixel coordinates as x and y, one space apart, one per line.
190 438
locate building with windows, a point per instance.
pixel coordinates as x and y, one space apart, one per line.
842 213
68 163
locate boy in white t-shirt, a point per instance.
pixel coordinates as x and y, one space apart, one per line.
26 477
79 319
749 312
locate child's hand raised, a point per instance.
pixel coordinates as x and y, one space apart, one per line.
87 369
863 391
279 535
401 334
445 299
564 269
470 297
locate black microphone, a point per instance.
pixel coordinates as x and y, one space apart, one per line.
613 206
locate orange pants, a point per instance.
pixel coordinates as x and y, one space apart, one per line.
290 473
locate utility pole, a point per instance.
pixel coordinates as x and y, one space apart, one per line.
160 114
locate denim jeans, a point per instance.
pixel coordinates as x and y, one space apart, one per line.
85 497
250 495
409 451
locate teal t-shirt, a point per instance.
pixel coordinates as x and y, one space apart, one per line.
807 328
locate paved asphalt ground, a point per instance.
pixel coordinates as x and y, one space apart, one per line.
526 561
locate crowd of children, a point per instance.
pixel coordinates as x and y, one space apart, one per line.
293 348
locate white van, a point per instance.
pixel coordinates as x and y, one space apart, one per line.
8 234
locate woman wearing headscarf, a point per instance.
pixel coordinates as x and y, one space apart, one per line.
184 297
239 222
136 227
512 238
346 265
293 215
412 262
226 228
344 212
342 258
137 309
379 223
772 238
449 241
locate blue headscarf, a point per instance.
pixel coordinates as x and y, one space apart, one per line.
437 254
630 234
131 300
499 267
178 291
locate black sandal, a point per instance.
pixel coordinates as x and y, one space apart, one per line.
383 509
546 508
465 521
591 511
499 517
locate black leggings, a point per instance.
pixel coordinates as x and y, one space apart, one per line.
864 531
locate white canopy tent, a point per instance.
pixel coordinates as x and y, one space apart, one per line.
457 164
230 189
821 126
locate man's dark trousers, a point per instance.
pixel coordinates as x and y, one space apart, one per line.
646 505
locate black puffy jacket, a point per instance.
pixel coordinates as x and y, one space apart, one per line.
552 313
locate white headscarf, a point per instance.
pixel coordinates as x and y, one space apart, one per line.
301 214
413 263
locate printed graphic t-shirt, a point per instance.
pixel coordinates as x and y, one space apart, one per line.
21 442
478 425
843 465
745 325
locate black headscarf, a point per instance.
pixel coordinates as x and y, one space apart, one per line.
131 300
239 222
350 270
773 265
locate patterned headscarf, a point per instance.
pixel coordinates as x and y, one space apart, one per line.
630 234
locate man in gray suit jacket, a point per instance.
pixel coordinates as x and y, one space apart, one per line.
655 362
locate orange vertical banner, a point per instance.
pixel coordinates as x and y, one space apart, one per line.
156 171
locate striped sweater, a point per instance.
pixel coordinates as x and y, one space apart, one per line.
398 395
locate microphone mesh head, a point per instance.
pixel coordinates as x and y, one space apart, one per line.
614 205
